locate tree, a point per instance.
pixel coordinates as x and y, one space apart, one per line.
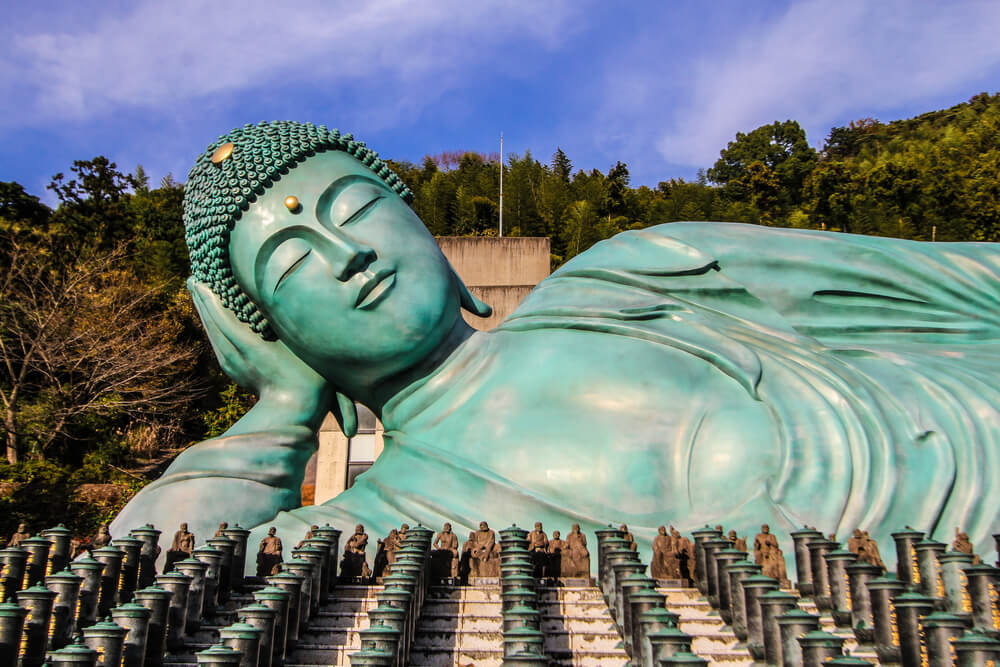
81 338
17 206
562 168
781 148
93 205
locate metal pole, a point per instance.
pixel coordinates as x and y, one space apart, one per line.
501 185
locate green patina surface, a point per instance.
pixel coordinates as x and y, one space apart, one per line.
688 373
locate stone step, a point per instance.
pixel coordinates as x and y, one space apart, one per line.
455 658
577 659
583 625
458 639
434 622
457 607
334 620
471 593
321 654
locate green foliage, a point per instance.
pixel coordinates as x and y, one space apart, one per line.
233 404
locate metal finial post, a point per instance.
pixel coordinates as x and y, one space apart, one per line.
501 185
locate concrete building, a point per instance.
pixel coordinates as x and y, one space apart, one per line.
501 272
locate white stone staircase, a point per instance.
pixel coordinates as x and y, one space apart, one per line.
711 638
332 634
714 641
459 626
579 630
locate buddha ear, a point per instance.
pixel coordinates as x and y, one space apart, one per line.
469 302
346 414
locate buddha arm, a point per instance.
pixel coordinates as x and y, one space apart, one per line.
247 475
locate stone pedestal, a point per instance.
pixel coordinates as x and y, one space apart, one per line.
737 573
277 599
773 605
803 568
239 537
37 600
112 559
794 624
38 559
108 639
66 586
907 569
90 571
753 588
178 585
939 630
11 628
150 538
129 581
956 585
135 619
195 569
858 576
157 601
840 587
244 638
882 591
264 619
60 538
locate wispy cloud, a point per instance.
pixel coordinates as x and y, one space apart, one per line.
164 54
820 61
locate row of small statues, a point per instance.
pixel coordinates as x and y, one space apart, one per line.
557 557
477 557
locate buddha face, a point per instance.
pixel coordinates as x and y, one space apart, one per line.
346 273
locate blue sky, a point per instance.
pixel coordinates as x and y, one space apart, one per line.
659 85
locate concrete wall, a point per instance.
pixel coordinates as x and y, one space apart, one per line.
501 272
484 261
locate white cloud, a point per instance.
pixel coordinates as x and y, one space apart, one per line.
161 54
821 61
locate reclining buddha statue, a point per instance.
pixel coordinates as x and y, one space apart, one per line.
685 373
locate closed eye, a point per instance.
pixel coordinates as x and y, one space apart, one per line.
292 269
357 215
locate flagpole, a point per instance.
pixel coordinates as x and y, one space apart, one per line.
501 184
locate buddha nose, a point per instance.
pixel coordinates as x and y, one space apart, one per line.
355 258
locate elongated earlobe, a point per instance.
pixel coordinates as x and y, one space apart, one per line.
470 302
347 415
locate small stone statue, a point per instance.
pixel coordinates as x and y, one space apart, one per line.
854 542
181 548
386 554
865 548
554 552
309 535
102 539
628 538
269 556
663 553
18 537
538 544
576 557
465 562
739 543
483 541
684 548
402 532
964 545
222 526
768 554
446 546
354 563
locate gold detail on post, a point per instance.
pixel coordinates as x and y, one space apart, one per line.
292 203
222 152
